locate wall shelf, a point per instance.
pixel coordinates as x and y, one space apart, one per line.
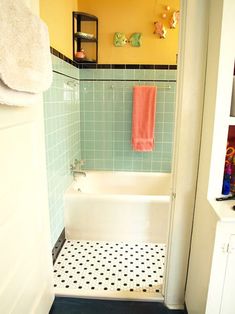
81 36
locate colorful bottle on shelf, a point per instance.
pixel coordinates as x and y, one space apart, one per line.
227 178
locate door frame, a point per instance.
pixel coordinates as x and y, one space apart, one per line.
192 59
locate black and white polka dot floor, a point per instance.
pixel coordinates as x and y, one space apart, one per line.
98 266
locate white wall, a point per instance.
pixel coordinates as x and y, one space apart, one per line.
25 263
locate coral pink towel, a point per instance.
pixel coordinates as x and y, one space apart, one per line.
143 118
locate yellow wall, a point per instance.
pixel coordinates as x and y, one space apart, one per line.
129 17
58 16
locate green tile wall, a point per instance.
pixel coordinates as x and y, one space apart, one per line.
62 131
106 120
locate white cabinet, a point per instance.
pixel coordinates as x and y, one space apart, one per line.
221 299
228 298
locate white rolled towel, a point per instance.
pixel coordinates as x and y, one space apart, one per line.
25 60
12 97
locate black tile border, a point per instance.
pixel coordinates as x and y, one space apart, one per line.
58 246
63 57
112 66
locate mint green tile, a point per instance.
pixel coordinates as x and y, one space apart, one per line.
108 96
168 117
118 146
160 117
87 86
118 136
166 156
89 164
129 74
156 166
160 74
160 107
98 116
90 135
160 96
98 96
118 106
149 75
146 166
171 74
167 137
168 127
117 125
109 164
88 145
108 116
89 116
128 96
86 73
118 95
167 147
98 86
170 97
98 74
166 167
139 74
89 96
169 106
118 74
118 164
99 144
137 165
99 154
99 164
107 73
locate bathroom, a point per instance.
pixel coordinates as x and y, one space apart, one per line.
124 195
86 116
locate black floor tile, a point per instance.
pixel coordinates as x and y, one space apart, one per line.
91 306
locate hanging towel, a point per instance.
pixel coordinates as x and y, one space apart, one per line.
12 97
143 118
25 61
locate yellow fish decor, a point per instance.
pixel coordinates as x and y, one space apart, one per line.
120 40
160 29
174 19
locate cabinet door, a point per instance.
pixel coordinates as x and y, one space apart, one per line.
228 297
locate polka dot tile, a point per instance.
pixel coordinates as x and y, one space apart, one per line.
110 266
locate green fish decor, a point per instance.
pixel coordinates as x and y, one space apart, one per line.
135 40
119 39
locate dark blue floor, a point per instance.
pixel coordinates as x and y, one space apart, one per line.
92 306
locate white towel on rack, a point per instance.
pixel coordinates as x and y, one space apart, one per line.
12 97
25 61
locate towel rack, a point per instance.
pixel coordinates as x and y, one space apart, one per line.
72 83
158 87
122 87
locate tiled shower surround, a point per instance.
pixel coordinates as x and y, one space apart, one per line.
92 121
106 119
62 131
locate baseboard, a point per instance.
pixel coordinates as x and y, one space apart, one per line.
58 246
175 307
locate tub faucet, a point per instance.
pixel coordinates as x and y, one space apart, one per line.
78 172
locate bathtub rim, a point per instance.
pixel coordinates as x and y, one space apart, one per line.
164 197
71 193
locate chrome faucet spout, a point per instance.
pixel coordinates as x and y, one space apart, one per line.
78 172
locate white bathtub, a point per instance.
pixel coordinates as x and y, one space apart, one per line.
119 206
